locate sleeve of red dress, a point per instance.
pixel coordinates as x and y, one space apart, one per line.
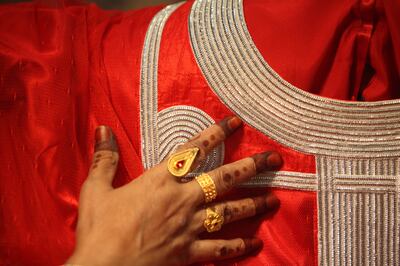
56 65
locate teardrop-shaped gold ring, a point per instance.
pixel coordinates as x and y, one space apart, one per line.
180 163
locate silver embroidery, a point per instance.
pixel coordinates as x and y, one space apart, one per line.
358 211
162 131
358 221
239 75
284 179
355 143
148 87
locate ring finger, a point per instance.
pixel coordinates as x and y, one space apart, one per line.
232 211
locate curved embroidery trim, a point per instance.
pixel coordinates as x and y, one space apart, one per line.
177 124
148 87
162 131
242 79
154 124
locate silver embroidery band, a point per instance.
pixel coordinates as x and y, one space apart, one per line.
358 220
162 131
242 79
358 211
284 179
148 86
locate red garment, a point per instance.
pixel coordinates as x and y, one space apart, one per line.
67 68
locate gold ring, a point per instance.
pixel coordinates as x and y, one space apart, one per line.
213 221
208 186
180 163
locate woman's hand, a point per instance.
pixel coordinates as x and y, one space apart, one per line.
155 219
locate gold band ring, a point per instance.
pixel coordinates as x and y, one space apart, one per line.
208 186
213 221
180 163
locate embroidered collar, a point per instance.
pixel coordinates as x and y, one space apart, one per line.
243 80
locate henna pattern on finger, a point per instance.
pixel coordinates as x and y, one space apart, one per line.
206 143
230 124
237 173
267 160
260 204
223 251
212 137
252 244
228 178
274 160
228 213
110 145
260 161
272 202
263 204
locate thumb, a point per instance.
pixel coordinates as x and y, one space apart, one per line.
105 158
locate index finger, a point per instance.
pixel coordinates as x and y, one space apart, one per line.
207 140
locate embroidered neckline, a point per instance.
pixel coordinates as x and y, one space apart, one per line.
243 80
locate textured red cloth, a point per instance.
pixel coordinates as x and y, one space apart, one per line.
67 67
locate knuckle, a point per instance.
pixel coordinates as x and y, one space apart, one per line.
201 155
226 178
220 251
222 181
220 132
189 194
181 221
86 186
107 162
178 223
240 248
180 245
223 251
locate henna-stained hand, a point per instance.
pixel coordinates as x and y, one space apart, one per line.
156 219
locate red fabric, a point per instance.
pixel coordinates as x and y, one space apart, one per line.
180 81
64 70
334 49
67 68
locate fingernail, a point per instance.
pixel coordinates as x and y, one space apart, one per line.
274 160
234 122
105 139
102 134
252 244
267 160
272 202
266 203
230 124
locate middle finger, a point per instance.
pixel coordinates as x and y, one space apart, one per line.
227 176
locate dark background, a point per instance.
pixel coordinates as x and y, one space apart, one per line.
116 4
